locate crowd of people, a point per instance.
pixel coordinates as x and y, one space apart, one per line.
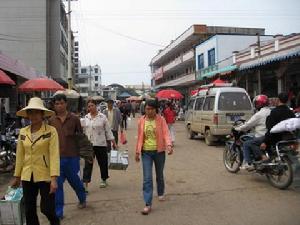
47 154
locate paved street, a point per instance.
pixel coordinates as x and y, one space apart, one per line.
199 191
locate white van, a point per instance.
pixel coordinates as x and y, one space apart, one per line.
213 110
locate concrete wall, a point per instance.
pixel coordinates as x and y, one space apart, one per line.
24 23
224 46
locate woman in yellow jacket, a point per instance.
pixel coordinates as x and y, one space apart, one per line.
37 164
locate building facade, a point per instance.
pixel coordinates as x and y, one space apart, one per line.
89 81
214 55
36 33
174 66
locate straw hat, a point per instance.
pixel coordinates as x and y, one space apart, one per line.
35 103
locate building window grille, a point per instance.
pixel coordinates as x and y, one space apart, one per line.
211 57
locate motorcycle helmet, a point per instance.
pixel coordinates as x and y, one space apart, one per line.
260 101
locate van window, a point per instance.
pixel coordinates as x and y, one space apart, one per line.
191 104
209 103
199 104
234 101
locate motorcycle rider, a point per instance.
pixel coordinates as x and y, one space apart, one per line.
278 114
258 123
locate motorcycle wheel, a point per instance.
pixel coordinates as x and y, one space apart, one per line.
231 159
285 178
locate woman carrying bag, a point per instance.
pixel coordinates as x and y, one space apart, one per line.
37 163
152 143
98 131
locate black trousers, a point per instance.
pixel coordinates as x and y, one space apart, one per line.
101 155
115 133
30 193
124 122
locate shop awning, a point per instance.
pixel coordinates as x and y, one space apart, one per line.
264 60
224 70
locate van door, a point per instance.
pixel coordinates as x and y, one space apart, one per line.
189 113
207 113
197 114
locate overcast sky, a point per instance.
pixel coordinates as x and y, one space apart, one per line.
123 35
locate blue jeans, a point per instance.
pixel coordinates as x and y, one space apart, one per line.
252 146
148 157
69 169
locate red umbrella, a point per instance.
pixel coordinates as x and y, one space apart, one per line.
4 79
40 84
170 94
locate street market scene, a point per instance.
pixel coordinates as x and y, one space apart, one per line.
135 112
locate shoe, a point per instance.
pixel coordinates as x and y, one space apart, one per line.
246 166
146 210
81 205
161 198
103 184
86 190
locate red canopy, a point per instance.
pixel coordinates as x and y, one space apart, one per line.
5 79
40 84
218 81
170 94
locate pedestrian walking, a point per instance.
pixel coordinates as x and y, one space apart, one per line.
142 107
124 113
67 125
152 142
170 116
114 117
37 162
133 108
97 129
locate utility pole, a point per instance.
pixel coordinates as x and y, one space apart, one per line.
70 78
258 72
90 80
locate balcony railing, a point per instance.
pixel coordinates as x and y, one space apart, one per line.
180 59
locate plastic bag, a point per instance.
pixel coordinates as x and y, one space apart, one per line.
123 138
13 194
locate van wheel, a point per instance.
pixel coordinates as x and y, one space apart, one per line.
190 134
208 137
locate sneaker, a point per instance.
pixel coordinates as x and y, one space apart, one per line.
103 184
81 205
161 198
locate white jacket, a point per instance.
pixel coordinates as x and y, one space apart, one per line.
258 122
97 129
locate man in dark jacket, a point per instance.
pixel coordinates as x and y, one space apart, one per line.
278 114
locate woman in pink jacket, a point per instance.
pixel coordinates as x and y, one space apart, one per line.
152 142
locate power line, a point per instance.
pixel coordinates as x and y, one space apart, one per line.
127 36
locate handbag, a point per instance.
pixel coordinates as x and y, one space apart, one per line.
84 146
118 160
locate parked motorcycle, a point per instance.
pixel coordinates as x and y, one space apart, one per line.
279 169
8 145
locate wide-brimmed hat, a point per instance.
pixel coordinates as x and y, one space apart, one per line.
38 104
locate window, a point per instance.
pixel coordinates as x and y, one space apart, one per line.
211 57
199 104
191 104
96 70
200 61
96 78
209 103
234 101
83 70
96 85
76 54
76 49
